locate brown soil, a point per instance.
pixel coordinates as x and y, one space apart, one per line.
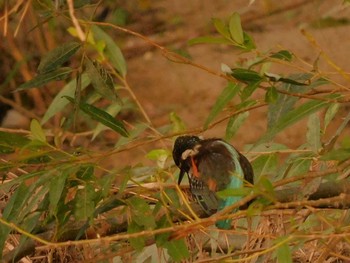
163 86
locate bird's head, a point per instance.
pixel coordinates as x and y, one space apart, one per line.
184 147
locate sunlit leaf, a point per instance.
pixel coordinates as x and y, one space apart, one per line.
56 57
102 117
59 103
36 131
235 28
42 79
112 51
221 28
226 95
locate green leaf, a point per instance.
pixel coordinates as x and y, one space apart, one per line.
338 155
235 27
284 254
138 243
42 79
249 89
102 117
59 103
142 213
84 202
265 165
56 57
283 55
86 172
246 75
313 134
271 95
226 95
244 191
209 40
112 51
10 141
234 124
177 250
330 114
221 28
177 123
57 185
293 116
37 132
113 110
101 80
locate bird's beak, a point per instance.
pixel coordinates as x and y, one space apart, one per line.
181 175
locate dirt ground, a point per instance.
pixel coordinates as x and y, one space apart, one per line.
163 86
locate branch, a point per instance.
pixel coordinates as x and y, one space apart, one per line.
330 194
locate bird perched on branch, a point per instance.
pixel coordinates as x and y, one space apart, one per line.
212 165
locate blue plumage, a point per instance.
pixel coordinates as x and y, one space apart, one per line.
212 165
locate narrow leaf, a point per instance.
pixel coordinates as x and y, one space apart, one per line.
36 131
271 95
249 89
283 55
137 243
221 28
293 116
112 51
101 80
235 27
56 57
234 124
265 165
42 79
10 141
330 114
102 117
246 75
226 95
59 102
209 40
84 203
313 134
57 185
177 249
284 254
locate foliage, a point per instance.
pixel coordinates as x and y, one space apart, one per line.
58 195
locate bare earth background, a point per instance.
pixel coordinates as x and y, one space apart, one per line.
163 86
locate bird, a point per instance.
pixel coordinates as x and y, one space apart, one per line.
211 165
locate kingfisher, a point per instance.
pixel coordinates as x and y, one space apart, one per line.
211 165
